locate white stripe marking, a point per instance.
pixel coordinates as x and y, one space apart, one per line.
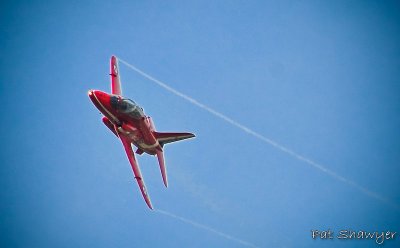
266 140
104 108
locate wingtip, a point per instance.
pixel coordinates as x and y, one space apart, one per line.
148 202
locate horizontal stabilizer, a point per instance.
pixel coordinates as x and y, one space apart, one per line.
163 168
165 138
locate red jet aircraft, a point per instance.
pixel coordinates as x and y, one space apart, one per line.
128 122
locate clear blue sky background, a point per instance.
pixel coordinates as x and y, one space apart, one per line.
319 77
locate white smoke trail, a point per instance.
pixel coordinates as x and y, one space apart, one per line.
265 139
209 229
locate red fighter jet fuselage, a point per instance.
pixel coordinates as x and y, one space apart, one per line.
124 117
127 121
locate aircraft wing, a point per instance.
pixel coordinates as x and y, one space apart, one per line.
136 169
115 79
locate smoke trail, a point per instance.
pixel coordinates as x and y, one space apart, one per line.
265 139
209 229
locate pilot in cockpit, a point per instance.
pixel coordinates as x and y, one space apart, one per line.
127 106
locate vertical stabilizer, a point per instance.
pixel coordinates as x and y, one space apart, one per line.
165 138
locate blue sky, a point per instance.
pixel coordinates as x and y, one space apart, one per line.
321 79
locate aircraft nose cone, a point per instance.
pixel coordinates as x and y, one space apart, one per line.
91 95
99 97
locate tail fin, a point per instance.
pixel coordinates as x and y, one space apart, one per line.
165 138
115 79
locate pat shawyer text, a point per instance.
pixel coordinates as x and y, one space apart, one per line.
378 237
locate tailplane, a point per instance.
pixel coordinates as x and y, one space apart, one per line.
165 138
163 168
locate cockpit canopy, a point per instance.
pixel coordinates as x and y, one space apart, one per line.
126 106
